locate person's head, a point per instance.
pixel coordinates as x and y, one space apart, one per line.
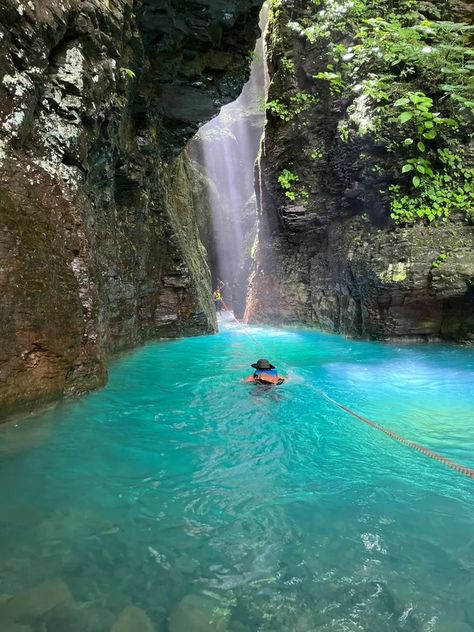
262 365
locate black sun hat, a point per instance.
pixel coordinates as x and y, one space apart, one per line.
262 364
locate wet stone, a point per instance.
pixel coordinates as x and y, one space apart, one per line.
133 619
72 617
199 614
35 602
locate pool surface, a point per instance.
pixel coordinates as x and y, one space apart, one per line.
179 499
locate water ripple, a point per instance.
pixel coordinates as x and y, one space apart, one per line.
273 508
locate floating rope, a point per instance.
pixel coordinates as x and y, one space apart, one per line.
462 469
244 327
396 437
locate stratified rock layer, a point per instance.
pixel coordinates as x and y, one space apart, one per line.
331 258
99 242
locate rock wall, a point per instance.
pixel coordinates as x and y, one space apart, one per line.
328 253
99 242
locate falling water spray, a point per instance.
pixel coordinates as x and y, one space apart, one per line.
225 151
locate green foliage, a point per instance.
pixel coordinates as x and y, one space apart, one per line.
298 103
253 56
343 129
286 180
407 45
316 154
417 110
336 84
438 194
127 72
439 260
279 109
289 183
409 82
303 193
288 65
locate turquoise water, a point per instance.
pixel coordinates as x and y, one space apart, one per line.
214 505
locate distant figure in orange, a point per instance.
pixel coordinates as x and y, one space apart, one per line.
217 296
265 373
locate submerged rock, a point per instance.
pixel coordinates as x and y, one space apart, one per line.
35 602
133 619
199 614
75 617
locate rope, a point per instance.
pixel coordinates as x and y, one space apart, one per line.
466 471
254 340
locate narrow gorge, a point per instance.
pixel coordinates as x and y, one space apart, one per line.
236 315
106 207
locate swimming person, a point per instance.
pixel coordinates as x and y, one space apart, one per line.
265 373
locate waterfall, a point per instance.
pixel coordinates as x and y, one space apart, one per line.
224 151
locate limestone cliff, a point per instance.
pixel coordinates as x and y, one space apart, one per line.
99 240
366 171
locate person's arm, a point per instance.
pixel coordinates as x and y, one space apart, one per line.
248 379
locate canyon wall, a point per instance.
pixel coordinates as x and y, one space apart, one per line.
339 246
99 240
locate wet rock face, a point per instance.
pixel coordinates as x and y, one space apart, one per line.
196 57
98 233
332 258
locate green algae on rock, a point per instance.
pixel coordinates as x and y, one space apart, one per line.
99 241
336 148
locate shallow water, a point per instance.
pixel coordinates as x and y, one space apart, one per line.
263 510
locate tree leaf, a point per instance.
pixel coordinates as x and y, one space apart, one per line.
416 181
421 146
399 102
405 116
406 168
408 141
